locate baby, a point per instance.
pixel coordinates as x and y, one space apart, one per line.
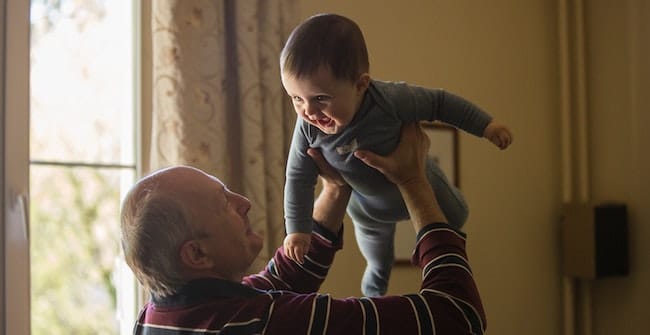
325 71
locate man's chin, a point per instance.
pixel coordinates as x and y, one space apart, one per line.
256 240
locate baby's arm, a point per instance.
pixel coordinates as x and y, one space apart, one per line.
301 178
329 207
461 113
498 134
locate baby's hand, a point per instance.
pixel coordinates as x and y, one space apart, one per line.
498 134
296 246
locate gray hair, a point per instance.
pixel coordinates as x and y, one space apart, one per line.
154 226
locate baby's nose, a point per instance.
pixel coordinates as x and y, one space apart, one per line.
311 113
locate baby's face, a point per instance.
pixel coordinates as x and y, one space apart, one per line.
325 102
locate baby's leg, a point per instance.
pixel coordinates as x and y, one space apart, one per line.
376 242
449 197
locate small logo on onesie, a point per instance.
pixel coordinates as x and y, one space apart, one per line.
348 148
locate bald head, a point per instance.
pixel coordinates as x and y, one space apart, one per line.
174 181
181 223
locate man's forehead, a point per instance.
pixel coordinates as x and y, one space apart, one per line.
216 180
180 178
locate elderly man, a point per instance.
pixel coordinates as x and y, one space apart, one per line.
188 240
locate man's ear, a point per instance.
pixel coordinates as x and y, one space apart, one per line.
363 82
193 256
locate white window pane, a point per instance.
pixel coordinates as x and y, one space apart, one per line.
81 80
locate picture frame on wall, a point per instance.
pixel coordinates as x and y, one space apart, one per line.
444 151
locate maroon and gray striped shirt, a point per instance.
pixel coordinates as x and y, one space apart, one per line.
283 298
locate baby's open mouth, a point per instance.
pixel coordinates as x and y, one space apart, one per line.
324 122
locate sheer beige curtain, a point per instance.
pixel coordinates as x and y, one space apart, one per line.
217 100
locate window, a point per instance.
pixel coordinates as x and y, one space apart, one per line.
83 105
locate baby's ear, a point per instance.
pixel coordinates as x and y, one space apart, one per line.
363 82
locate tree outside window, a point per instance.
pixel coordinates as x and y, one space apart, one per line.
81 148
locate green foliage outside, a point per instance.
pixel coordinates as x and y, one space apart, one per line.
74 234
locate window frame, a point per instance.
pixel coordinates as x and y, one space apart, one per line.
14 180
15 273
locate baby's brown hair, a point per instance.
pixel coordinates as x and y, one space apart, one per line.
329 40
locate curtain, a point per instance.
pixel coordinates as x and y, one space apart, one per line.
218 102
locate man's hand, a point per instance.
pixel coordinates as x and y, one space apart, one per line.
296 246
326 172
406 163
498 134
405 167
329 207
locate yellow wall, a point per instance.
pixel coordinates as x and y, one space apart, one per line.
503 55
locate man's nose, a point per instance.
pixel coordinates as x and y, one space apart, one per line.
243 204
247 206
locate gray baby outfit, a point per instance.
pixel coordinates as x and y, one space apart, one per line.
376 204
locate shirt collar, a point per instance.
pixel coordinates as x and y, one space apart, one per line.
199 290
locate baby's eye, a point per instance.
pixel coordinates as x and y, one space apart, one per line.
296 99
322 98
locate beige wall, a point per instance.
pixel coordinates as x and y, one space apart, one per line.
618 51
503 55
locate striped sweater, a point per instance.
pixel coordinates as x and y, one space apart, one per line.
282 299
